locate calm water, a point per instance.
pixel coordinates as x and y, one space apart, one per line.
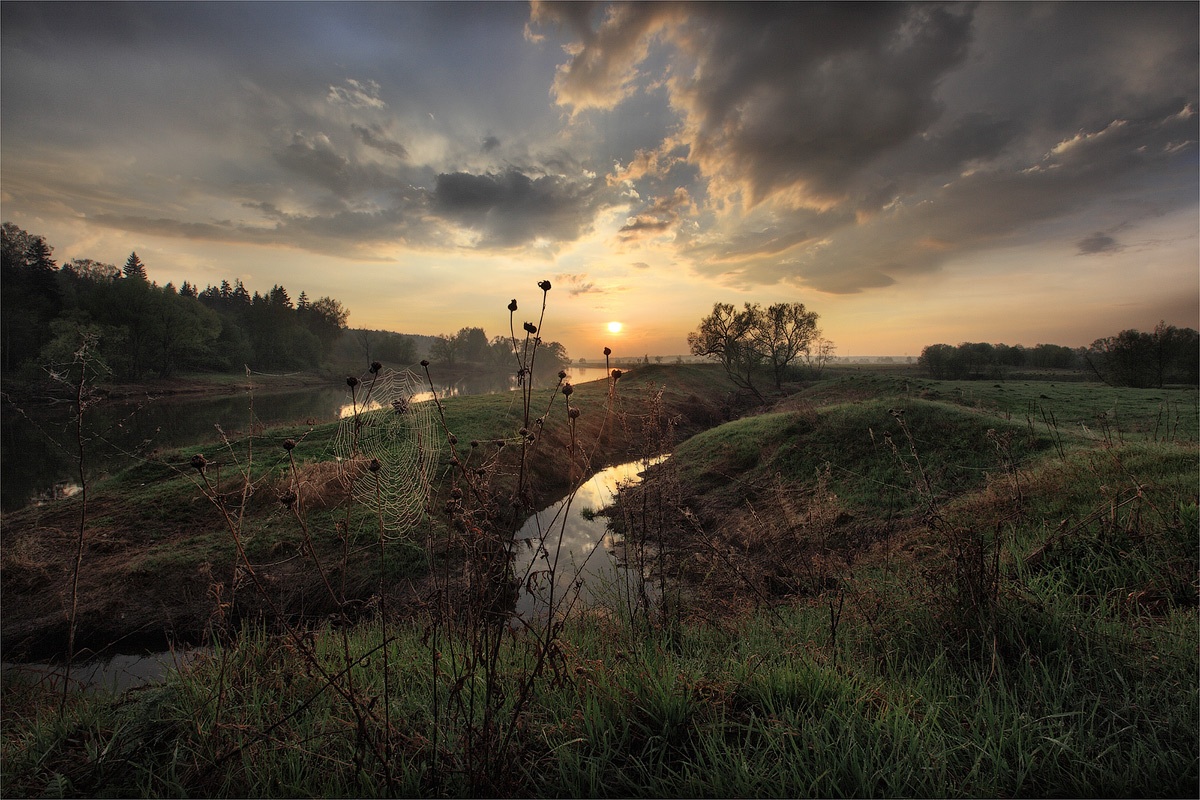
112 673
37 443
580 546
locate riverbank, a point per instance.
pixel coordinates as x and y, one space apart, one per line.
161 559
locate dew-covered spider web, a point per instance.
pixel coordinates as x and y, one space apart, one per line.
388 419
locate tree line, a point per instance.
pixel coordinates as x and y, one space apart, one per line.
472 345
1166 355
140 329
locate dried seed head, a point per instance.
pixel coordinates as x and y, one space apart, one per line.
351 381
573 413
568 389
608 351
500 443
474 443
524 431
375 466
199 462
617 374
562 374
424 362
512 306
375 367
544 285
456 493
530 327
289 444
452 439
288 498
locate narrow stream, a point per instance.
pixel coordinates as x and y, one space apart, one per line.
574 542
569 539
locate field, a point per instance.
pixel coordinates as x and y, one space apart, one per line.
879 584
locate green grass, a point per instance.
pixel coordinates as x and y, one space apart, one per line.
1080 676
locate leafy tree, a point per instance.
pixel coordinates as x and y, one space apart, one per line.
473 345
725 334
746 340
1138 359
88 270
782 333
445 349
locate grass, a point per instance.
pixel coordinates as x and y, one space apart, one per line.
832 644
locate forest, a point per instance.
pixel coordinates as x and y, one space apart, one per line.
138 329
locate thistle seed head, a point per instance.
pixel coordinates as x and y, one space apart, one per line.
616 373
375 466
573 413
530 327
289 444
544 285
568 390
608 351
512 306
199 462
375 367
351 381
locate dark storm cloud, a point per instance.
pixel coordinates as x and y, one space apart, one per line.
511 208
822 92
871 142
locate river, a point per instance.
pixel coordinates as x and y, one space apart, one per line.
569 536
38 443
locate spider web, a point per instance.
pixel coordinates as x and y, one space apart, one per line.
388 418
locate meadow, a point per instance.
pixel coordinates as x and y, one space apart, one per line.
878 584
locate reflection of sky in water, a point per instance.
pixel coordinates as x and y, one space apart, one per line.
573 539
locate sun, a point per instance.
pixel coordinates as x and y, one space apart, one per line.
615 327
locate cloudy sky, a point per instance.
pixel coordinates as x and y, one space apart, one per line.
1003 172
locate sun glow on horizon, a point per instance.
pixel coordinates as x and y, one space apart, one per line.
615 327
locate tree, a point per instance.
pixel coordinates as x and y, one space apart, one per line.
1141 360
279 297
781 334
725 335
135 269
445 349
88 270
473 345
31 297
746 340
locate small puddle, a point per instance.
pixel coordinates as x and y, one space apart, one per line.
576 542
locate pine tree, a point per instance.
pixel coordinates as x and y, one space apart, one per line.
134 268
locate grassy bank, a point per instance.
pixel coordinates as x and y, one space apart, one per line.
879 586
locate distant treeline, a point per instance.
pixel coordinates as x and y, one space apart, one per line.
136 328
1167 355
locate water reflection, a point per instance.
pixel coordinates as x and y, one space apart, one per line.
114 673
575 542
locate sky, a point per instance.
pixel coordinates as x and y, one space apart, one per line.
1021 173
